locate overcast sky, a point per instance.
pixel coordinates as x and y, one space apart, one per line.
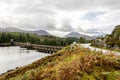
60 16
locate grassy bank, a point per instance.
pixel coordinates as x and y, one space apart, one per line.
70 64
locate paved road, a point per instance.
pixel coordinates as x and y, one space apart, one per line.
98 49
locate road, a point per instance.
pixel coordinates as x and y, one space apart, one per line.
98 49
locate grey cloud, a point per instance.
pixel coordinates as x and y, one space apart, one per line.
35 14
28 6
68 4
84 4
28 14
66 26
50 26
35 9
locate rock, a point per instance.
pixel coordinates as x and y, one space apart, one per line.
116 28
110 41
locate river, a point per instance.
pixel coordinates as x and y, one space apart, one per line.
12 57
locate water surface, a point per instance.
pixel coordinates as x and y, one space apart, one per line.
12 57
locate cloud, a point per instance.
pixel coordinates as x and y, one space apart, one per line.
25 14
60 16
66 26
93 15
84 4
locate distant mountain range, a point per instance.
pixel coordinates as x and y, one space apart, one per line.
11 29
43 32
78 35
95 32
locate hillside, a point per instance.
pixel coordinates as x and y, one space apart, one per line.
116 32
113 40
115 29
41 32
110 41
70 64
12 29
78 35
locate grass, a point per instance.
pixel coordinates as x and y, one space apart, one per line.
70 64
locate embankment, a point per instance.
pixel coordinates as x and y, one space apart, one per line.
76 63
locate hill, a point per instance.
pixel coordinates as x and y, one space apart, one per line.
77 63
41 32
11 29
116 27
110 41
116 32
78 35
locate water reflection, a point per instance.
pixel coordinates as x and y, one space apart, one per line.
23 50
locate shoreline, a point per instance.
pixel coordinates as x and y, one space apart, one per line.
39 48
11 63
76 63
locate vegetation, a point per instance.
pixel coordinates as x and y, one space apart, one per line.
5 37
111 41
70 64
117 34
83 40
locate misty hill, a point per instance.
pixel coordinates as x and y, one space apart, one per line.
78 35
11 29
41 32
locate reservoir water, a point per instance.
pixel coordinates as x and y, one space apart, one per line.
12 57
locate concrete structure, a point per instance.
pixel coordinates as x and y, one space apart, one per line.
40 48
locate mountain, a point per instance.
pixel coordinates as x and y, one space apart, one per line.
41 32
95 32
11 29
78 35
